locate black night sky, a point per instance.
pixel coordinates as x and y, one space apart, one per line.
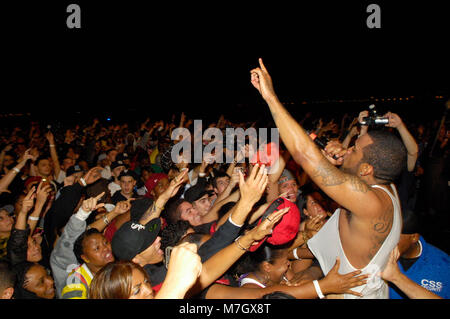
140 58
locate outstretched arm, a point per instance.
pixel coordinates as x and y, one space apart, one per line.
53 153
409 141
346 189
393 274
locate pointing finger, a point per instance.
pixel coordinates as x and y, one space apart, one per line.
261 64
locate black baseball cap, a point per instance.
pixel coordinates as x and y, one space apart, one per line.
117 164
133 238
73 169
122 157
196 192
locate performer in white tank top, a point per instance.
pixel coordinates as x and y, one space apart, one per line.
326 247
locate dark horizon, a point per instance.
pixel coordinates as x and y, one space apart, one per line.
182 58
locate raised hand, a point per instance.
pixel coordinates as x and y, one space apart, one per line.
175 185
123 206
93 175
262 81
50 138
334 152
28 201
42 193
362 115
252 189
265 228
184 268
394 120
90 204
313 225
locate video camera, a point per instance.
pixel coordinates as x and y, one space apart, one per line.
373 118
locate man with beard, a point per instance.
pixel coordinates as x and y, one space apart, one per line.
363 232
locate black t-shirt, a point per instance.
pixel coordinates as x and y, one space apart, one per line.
118 197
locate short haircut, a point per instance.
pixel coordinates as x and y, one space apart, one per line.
173 214
218 175
41 158
7 276
386 154
78 245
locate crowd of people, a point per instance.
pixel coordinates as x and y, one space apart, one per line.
104 211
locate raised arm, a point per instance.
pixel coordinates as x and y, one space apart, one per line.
347 190
53 153
42 193
157 207
409 141
9 177
251 191
120 208
219 263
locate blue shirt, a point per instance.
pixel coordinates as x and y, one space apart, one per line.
431 271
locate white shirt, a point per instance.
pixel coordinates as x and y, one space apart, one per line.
106 172
326 246
114 187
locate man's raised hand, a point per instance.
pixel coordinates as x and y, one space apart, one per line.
252 189
262 81
90 204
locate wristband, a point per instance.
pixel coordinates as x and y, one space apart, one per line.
83 181
16 170
33 218
294 252
318 291
51 145
202 174
105 219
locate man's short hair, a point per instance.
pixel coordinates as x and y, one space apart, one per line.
7 276
218 175
40 158
386 154
172 214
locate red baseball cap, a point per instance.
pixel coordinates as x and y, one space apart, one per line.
152 181
286 229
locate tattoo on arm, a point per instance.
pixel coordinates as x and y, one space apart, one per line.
149 212
331 176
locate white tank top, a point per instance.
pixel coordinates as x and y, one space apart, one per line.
326 246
